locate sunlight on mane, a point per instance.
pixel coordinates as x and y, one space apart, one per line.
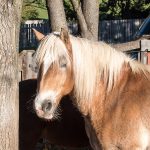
91 60
49 51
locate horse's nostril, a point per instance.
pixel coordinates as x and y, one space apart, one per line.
49 105
46 106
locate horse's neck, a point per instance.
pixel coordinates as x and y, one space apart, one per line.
103 99
101 93
119 87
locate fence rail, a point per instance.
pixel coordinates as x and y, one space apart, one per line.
110 31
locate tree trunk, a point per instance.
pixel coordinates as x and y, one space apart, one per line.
81 19
10 11
56 14
88 17
91 14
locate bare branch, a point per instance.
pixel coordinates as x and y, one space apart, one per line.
91 14
77 7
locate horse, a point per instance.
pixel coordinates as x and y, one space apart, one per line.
66 132
110 89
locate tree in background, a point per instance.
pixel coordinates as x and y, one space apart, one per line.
70 13
124 9
87 14
10 13
56 15
109 9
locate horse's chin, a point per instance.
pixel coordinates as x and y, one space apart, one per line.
49 117
46 116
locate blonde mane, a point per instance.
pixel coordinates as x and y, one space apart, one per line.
91 60
49 51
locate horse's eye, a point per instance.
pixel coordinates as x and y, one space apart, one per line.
63 62
63 65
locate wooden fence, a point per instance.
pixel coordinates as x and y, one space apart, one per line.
110 31
25 61
118 31
27 38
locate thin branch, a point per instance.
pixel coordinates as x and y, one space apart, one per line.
77 7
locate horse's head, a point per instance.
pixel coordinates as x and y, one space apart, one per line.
55 75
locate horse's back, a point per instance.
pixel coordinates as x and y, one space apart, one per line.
129 116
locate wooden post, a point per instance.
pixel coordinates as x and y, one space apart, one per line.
145 46
25 59
148 55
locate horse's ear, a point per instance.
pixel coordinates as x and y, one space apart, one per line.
38 34
64 36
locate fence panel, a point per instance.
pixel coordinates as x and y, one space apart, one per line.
110 31
118 31
27 38
25 61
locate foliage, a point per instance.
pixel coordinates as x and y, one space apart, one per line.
115 9
109 9
124 9
70 13
29 13
40 3
34 9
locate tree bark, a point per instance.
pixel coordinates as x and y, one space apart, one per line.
57 15
81 19
10 11
88 17
91 14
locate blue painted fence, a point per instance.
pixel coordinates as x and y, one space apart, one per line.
110 31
